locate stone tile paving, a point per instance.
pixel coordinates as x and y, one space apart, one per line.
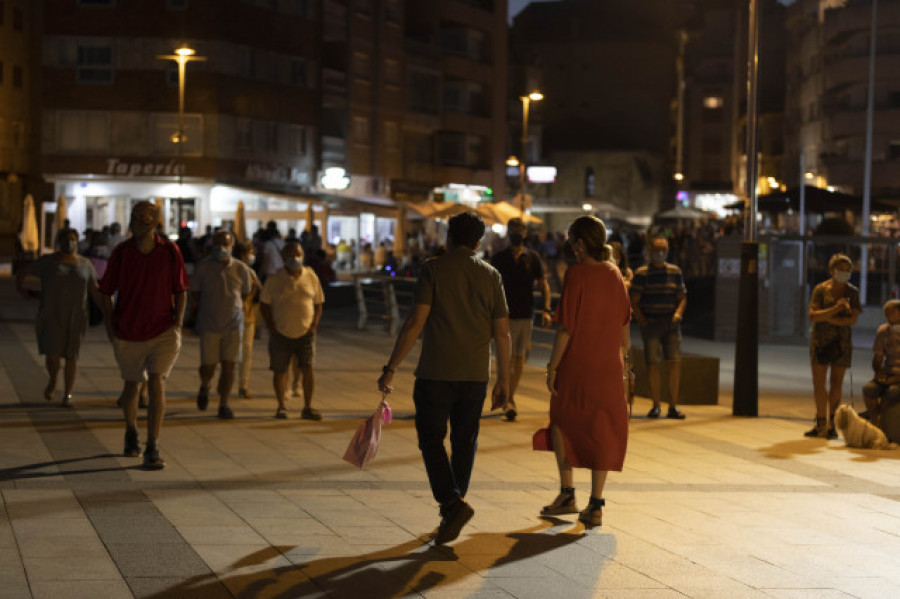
713 506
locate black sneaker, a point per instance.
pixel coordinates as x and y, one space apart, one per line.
454 518
132 447
511 415
225 413
654 412
203 398
152 461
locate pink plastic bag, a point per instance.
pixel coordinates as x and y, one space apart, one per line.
364 444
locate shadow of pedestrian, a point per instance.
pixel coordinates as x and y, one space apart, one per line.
411 567
30 470
788 449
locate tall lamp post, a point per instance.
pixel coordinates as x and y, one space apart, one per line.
746 355
182 56
534 96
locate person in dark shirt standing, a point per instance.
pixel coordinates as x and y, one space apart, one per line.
147 271
520 268
658 297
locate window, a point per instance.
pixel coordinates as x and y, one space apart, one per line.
424 92
82 131
94 64
18 77
391 72
360 130
18 19
244 135
393 12
391 136
297 140
713 102
298 72
362 68
18 134
177 4
270 137
451 149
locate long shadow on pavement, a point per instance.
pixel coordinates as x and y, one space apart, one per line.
413 566
30 470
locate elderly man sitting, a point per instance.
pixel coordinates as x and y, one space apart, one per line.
884 389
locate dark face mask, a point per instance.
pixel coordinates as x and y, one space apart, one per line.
516 239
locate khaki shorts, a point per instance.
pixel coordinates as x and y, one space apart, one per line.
220 347
282 349
156 356
520 334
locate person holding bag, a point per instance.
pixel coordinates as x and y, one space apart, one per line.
833 308
585 376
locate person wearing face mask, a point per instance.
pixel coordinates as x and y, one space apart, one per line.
218 289
244 253
67 280
520 269
146 274
834 307
658 297
291 304
884 389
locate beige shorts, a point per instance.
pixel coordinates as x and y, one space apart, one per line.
156 356
220 347
520 335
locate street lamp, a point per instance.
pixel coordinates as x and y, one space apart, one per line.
182 56
534 96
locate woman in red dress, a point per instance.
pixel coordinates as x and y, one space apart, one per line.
588 406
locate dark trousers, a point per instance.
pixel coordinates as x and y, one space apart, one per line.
460 403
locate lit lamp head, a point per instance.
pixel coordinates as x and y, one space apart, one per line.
678 176
512 161
535 96
185 51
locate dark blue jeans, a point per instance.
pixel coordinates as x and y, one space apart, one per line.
460 403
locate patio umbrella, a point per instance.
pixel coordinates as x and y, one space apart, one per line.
607 210
161 207
504 211
240 223
400 233
681 213
29 237
454 208
309 216
62 213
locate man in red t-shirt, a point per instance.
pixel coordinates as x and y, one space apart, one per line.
147 272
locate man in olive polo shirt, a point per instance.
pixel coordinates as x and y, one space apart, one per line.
460 306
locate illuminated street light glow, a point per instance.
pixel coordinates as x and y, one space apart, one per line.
678 176
808 175
535 96
587 207
512 161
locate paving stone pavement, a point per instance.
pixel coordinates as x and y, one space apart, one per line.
712 506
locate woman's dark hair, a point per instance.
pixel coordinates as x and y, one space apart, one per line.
240 250
466 229
592 232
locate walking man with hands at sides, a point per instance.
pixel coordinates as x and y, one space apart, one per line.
459 307
147 271
218 289
291 304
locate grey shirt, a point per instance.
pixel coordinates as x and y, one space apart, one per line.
222 287
466 296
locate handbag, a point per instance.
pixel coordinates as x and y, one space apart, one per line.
364 443
542 440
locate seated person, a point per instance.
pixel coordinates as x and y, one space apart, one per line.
884 389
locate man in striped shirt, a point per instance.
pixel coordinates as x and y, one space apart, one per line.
658 297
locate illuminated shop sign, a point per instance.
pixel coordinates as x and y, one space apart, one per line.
334 178
541 174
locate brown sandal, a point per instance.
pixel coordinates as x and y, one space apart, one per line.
563 504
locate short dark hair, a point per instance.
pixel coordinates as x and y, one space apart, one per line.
466 229
63 233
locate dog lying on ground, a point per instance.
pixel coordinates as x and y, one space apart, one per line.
860 433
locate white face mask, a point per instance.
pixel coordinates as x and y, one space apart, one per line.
841 276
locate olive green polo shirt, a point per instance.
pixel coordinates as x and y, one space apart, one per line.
466 296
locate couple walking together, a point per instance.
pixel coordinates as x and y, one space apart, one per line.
459 308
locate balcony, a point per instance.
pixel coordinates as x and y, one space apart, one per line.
334 82
334 20
843 72
334 150
855 19
847 172
852 123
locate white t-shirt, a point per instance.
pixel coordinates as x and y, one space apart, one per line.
293 300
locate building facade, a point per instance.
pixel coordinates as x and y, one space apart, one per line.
607 72
827 79
19 80
325 112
